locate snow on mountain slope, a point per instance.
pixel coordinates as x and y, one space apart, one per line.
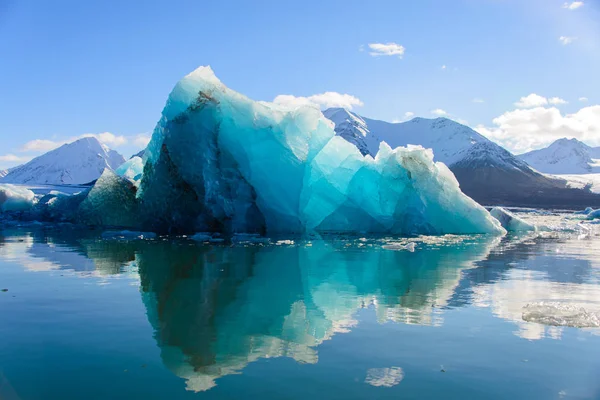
487 172
451 142
565 156
78 162
582 181
3 173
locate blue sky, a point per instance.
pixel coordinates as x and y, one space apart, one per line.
71 68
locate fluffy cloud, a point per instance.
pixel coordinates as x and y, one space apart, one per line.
323 100
583 99
11 158
533 100
527 129
439 112
141 140
409 114
109 139
565 40
574 5
386 49
556 101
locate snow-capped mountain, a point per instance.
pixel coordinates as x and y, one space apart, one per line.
565 156
3 173
78 162
450 141
486 171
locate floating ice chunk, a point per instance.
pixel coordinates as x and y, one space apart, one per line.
219 161
399 246
202 237
111 202
15 198
131 169
511 222
594 214
249 238
560 314
584 212
128 235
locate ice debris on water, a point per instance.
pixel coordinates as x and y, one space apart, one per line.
594 214
15 198
560 314
511 222
128 235
584 212
220 162
399 246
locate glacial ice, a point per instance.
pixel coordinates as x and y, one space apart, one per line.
131 169
219 161
584 212
595 214
15 198
511 222
560 314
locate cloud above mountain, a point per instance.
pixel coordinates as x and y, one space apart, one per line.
522 130
322 101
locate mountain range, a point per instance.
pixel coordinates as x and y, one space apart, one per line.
79 162
486 171
565 156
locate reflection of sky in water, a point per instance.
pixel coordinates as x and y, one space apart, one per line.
216 310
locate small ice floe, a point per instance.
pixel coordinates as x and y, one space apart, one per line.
594 214
384 377
399 246
584 212
284 242
201 237
560 314
128 235
253 238
511 222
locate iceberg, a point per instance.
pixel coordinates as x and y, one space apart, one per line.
511 222
595 214
131 169
219 161
15 198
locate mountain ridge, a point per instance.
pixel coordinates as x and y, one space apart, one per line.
78 162
565 156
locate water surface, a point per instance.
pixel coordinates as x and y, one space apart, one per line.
340 318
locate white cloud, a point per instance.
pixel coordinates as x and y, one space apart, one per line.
527 129
386 49
439 112
409 114
443 66
565 40
556 101
109 139
40 145
478 100
141 140
323 100
583 99
11 158
533 100
574 5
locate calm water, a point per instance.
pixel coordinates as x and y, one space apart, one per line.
333 319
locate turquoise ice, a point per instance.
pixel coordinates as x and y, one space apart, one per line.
219 161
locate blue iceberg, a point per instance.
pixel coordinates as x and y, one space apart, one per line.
219 161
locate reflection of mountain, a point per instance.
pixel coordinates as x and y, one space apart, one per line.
216 309
69 249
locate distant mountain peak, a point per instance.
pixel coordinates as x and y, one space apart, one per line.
565 156
78 162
